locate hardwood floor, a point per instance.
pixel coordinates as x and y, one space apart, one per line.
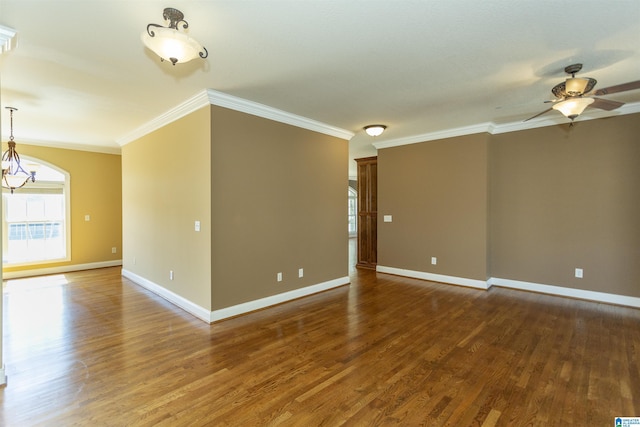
91 348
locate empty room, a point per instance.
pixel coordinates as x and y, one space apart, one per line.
304 213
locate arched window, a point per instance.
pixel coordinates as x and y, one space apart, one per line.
35 219
353 211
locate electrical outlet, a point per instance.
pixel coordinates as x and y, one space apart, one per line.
170 274
434 260
579 273
114 250
301 272
279 277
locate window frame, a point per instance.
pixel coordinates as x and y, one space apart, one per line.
352 195
66 192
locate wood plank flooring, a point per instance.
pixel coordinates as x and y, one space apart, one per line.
91 348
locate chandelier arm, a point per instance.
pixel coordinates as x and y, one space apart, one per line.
21 169
185 24
18 166
205 54
5 183
151 32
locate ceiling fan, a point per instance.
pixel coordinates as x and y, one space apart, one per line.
573 95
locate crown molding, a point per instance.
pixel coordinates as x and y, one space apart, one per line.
494 129
212 97
189 106
432 136
6 39
72 146
239 104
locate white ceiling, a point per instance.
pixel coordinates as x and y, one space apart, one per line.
81 77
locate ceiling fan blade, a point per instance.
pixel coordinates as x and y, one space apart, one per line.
605 104
618 88
539 114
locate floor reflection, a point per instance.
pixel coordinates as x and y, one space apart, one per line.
353 254
36 312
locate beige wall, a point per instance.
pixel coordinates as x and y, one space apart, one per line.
565 198
558 198
279 203
166 188
436 193
95 191
270 197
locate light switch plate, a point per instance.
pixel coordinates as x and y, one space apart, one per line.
388 218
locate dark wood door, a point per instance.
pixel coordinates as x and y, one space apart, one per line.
367 212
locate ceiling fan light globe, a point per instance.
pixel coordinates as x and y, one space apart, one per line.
576 86
573 107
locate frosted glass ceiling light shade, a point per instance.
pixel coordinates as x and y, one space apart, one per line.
13 174
171 44
573 107
374 130
576 86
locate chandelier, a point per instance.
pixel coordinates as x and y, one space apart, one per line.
171 44
13 174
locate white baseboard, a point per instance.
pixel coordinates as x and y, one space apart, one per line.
566 292
235 310
258 304
602 297
188 306
60 269
462 281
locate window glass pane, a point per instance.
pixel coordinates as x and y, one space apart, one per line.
353 211
35 208
45 173
34 217
17 210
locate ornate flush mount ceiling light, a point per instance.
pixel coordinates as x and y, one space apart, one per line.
13 174
374 130
171 44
